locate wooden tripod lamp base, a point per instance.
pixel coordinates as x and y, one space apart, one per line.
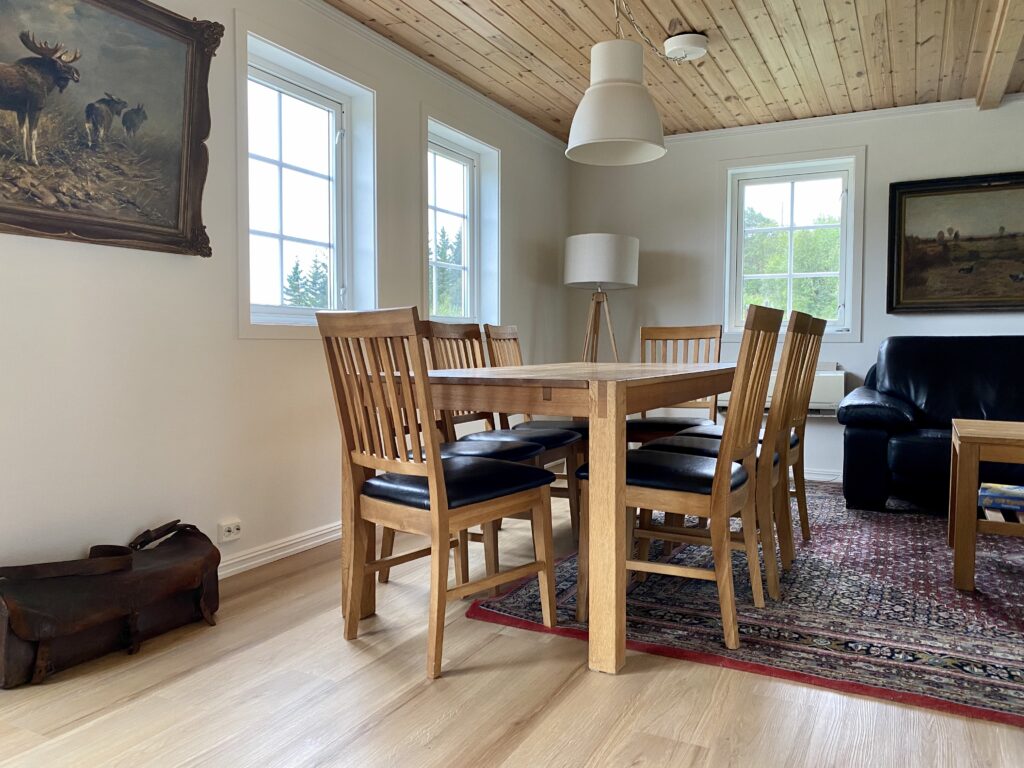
599 261
598 307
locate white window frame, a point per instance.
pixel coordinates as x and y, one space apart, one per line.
285 81
849 165
471 242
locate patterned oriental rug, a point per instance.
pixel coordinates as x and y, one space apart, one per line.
869 608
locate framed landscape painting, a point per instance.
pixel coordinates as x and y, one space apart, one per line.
104 114
957 244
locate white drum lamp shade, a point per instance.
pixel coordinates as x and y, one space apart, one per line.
600 261
616 122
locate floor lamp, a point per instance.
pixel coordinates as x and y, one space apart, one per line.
600 262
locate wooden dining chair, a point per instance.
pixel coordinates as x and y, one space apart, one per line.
677 344
456 345
814 329
504 349
381 389
460 345
774 446
714 488
795 456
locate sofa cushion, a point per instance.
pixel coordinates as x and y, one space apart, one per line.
947 377
922 456
921 453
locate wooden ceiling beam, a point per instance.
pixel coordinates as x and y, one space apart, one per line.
1004 48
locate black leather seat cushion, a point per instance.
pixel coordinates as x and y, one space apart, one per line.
693 444
468 480
672 472
506 450
582 428
549 438
637 429
715 430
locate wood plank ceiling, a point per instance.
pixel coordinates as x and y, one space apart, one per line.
768 60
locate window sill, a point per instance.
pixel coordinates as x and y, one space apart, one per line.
251 330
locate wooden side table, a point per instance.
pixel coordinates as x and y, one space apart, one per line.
973 442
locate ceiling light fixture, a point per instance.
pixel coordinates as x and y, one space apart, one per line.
616 122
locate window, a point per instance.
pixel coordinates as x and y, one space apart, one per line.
791 240
453 278
295 200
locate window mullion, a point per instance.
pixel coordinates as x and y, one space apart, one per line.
280 193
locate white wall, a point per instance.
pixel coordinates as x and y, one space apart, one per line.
126 396
677 207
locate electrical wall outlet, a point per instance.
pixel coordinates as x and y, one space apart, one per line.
229 530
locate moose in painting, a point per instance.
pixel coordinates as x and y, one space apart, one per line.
100 114
26 84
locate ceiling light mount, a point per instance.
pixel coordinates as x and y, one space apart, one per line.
687 46
680 46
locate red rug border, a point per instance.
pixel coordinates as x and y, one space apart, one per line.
478 612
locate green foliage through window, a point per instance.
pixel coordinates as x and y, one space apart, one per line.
796 262
446 275
307 289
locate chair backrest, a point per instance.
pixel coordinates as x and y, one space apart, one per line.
503 347
749 392
684 344
379 375
785 395
798 416
457 345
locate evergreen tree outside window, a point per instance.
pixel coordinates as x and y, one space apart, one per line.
295 198
790 240
452 274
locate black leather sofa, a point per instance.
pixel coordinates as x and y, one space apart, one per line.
898 429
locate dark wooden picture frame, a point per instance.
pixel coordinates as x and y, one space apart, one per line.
71 189
981 269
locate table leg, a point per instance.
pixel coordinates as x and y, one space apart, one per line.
966 514
607 501
951 523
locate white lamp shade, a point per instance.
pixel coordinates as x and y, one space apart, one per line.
599 260
616 122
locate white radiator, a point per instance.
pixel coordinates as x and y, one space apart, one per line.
828 389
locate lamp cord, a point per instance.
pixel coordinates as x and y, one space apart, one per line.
628 12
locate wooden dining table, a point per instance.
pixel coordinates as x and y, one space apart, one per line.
604 393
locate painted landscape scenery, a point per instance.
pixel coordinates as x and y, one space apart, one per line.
964 247
91 113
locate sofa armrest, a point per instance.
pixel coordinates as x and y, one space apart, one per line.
866 407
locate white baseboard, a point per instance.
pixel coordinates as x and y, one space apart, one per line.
823 475
300 542
275 550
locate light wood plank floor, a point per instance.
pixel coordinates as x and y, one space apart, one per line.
276 685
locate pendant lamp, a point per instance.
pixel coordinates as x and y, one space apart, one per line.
616 122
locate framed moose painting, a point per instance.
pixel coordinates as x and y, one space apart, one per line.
957 244
104 115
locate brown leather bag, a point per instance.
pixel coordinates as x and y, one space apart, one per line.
56 615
